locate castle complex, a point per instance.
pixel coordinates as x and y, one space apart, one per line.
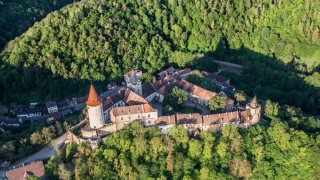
132 104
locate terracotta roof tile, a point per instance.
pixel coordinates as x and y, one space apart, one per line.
136 109
212 119
189 118
35 168
93 98
165 120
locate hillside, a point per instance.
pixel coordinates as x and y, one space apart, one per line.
99 40
18 15
139 153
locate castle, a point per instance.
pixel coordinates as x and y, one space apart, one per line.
132 104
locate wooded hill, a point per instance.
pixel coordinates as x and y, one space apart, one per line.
139 153
99 40
18 15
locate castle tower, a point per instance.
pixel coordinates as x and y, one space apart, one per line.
133 81
95 109
255 110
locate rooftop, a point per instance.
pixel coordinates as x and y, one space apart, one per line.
147 89
51 104
216 77
35 168
136 109
165 120
93 98
189 118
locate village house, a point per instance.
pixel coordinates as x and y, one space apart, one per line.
55 116
168 72
11 122
112 85
26 111
62 105
52 107
165 122
35 169
184 72
126 115
79 100
216 78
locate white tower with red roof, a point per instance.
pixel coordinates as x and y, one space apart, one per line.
95 109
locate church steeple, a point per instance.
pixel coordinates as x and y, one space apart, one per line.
93 98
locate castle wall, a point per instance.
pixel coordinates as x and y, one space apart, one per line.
165 129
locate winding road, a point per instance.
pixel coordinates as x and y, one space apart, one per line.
44 153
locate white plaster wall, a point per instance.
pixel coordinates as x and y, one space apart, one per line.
96 116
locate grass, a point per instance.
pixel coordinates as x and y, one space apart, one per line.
190 109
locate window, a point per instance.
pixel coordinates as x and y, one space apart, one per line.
121 118
148 115
138 116
129 117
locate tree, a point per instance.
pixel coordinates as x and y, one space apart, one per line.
217 102
176 98
64 174
36 138
170 100
240 96
195 149
179 134
180 95
32 177
240 168
167 110
7 149
52 168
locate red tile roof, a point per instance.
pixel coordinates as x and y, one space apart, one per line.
147 108
35 168
93 98
212 119
165 120
127 96
189 118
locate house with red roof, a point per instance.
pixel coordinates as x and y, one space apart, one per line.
23 172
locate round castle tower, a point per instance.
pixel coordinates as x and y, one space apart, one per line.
95 109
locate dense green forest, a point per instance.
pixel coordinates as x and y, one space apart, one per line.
99 40
16 16
135 152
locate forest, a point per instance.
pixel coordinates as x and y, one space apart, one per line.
18 15
278 42
277 152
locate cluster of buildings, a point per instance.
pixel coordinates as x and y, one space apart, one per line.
133 104
51 111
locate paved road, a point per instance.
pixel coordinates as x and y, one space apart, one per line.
40 155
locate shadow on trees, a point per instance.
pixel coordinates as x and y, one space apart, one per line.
264 75
34 84
270 78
